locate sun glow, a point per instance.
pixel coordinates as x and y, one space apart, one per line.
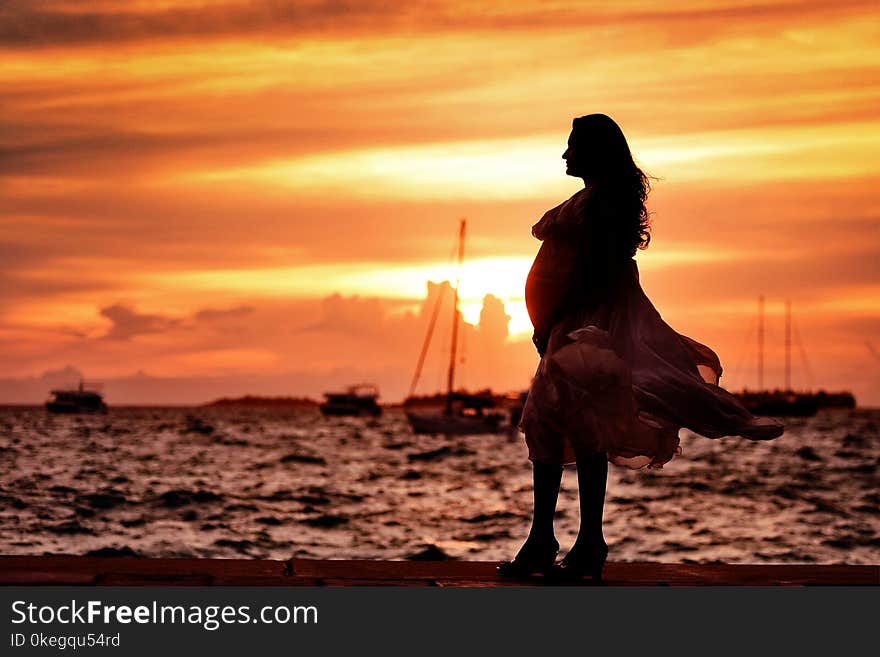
503 277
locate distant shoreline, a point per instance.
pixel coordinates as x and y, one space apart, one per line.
254 401
281 403
222 403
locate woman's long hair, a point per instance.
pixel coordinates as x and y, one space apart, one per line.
603 158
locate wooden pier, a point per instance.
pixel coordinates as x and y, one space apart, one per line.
131 571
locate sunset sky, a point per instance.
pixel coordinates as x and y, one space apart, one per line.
219 198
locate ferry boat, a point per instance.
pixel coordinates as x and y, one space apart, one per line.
359 399
77 400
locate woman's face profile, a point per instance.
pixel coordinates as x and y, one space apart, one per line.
572 158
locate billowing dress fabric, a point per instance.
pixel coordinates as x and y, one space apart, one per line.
615 377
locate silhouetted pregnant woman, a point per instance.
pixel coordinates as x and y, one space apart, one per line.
615 382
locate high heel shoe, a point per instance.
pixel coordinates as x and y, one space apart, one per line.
573 568
530 561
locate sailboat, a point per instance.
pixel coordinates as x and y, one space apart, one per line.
457 412
787 402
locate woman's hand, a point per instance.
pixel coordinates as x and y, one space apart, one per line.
540 343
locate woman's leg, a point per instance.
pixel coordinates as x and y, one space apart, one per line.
547 478
592 469
539 551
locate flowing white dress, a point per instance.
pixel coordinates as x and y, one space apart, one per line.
615 377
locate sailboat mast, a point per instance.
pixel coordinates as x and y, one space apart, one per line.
788 345
761 342
451 375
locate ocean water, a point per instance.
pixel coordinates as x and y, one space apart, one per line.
268 484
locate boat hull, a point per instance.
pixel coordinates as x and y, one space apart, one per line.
59 407
780 404
427 422
342 409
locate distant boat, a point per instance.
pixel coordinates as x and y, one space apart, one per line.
788 402
458 413
779 403
470 414
516 402
794 404
77 400
844 399
358 399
